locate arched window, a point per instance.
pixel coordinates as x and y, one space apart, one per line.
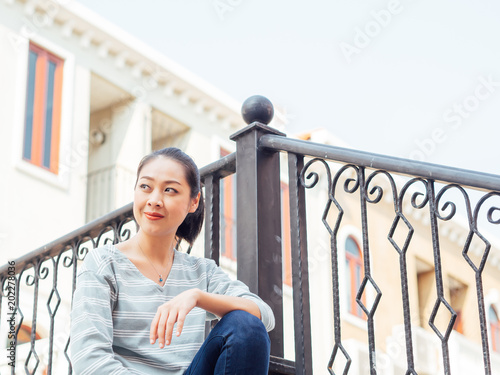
354 273
495 329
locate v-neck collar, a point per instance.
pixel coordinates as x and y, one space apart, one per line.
136 270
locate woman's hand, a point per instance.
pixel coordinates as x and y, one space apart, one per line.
174 311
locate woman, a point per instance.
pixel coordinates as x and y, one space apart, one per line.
140 306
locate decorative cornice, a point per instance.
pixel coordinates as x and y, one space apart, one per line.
30 7
67 28
86 38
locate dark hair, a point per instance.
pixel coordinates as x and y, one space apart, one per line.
191 226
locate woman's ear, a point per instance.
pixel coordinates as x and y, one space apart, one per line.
194 203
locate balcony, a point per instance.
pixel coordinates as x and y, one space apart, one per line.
428 253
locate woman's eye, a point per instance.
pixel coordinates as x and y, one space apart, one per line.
170 190
143 186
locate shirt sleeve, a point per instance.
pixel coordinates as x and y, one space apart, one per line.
220 283
92 327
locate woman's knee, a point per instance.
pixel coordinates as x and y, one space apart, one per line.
245 327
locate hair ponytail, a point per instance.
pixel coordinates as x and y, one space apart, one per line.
192 224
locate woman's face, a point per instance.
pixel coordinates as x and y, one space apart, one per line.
162 197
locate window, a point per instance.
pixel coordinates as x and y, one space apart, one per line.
355 274
228 214
494 328
426 285
458 293
43 109
23 336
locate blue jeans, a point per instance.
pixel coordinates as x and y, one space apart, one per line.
237 345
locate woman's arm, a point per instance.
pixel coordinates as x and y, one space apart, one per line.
221 284
92 327
221 296
176 310
220 305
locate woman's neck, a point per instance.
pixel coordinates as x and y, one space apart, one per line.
157 250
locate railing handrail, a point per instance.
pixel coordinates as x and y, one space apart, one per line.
442 173
223 167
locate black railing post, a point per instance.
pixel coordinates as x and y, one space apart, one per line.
300 267
212 217
258 213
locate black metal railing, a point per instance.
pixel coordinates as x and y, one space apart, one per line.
22 279
436 182
437 192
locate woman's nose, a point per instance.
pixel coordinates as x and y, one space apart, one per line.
154 201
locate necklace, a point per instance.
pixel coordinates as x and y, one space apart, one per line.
160 277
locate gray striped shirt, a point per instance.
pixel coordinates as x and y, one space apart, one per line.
114 305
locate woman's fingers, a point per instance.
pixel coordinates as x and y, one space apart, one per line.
170 313
180 324
161 329
163 325
169 328
154 327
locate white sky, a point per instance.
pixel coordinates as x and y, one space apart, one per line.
421 70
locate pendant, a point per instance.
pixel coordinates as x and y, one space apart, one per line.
161 279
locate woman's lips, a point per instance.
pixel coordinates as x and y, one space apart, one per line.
153 215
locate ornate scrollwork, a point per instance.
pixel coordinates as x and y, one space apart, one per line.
491 210
101 240
81 249
416 194
314 175
69 255
377 190
450 205
348 181
30 279
350 186
124 234
4 286
42 271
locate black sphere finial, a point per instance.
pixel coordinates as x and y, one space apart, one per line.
257 108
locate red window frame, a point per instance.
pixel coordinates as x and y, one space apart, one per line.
495 329
459 323
42 125
24 335
355 275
